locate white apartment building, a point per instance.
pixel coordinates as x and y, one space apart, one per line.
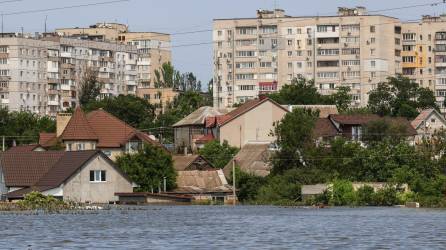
259 55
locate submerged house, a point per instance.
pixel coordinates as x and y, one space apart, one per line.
191 128
81 176
95 130
252 122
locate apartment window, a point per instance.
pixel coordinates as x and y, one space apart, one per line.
244 76
397 41
351 74
409 36
97 175
350 27
299 31
309 53
351 62
372 29
268 29
353 51
372 40
247 42
290 65
356 97
290 53
290 42
245 65
245 53
372 64
274 42
299 65
219 33
3 49
353 39
298 52
372 52
246 87
290 31
327 74
3 60
440 36
408 59
328 52
5 72
326 28
247 30
408 47
265 64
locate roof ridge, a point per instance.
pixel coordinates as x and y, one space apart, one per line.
79 117
112 116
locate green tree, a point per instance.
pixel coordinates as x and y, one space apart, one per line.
219 154
167 77
133 110
400 96
300 91
90 87
148 167
294 134
384 129
342 98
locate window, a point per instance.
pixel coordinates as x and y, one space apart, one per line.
372 64
245 65
97 176
350 27
409 36
351 62
246 87
356 133
247 30
290 31
327 74
244 76
80 146
372 29
265 64
354 51
328 52
69 147
245 53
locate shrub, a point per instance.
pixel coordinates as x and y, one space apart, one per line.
364 196
280 189
386 197
36 200
343 193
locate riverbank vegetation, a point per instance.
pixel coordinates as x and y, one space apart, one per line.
384 156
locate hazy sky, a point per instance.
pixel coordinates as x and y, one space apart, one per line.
172 16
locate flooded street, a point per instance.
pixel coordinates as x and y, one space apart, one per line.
225 227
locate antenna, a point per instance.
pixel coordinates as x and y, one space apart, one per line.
46 17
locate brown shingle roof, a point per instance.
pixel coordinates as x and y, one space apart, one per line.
355 119
23 148
201 181
223 119
324 128
26 168
186 162
78 128
252 158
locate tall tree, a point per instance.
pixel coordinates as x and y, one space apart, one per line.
218 154
148 168
400 96
131 109
90 87
167 76
300 91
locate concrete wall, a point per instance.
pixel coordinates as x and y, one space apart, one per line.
253 126
79 188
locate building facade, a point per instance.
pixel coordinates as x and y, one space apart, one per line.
424 54
153 50
259 55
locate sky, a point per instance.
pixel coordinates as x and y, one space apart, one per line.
176 16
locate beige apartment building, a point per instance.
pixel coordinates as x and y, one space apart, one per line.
259 55
424 54
153 50
42 74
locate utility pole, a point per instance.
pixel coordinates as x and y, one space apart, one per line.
233 183
46 17
3 143
165 184
2 25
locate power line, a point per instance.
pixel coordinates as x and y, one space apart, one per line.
10 1
63 8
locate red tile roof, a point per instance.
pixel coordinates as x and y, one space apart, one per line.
98 125
78 128
23 148
47 139
205 139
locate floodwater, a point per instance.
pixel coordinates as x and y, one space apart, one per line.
226 227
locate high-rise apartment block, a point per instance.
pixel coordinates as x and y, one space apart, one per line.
259 55
42 73
153 50
424 54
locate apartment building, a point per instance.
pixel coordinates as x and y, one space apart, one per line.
253 56
424 54
43 74
153 50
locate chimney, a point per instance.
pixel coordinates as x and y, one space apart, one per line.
62 120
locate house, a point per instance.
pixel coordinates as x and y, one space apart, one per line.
427 123
79 176
95 130
253 158
352 126
324 110
191 162
192 127
253 121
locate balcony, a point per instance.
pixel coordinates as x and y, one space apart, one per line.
53 81
53 103
66 54
4 101
53 91
67 66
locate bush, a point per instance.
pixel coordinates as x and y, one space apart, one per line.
386 197
364 196
343 193
36 200
280 189
248 185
